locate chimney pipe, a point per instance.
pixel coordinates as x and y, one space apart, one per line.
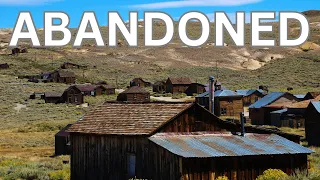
211 94
242 123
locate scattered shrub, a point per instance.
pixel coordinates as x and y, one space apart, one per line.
222 178
273 174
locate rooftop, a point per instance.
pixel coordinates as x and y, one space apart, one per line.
86 87
268 99
53 94
204 145
128 118
220 93
316 105
248 92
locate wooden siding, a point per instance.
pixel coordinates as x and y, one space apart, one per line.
195 88
248 100
232 105
312 124
139 82
134 97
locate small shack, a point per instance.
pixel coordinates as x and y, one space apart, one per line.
159 86
52 97
139 82
169 141
4 66
177 85
66 77
250 96
259 112
62 142
312 121
134 94
195 88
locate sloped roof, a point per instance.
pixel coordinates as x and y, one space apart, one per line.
220 93
53 94
63 132
316 105
107 86
268 99
248 92
180 80
135 90
128 118
205 145
314 94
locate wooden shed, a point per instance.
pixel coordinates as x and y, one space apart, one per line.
226 103
140 83
169 141
250 96
177 85
58 76
159 87
71 95
62 142
259 113
312 123
195 88
134 94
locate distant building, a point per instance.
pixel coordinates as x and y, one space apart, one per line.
95 90
58 76
170 141
177 85
313 123
62 142
259 112
72 95
250 96
159 87
134 94
226 102
139 82
195 88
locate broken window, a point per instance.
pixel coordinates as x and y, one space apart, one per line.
223 111
131 165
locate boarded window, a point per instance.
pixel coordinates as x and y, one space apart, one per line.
131 165
76 98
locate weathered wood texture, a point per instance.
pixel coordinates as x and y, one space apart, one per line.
312 124
228 106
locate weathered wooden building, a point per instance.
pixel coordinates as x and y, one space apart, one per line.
169 141
62 142
58 76
226 102
69 65
159 87
71 95
177 85
195 88
140 83
259 113
52 97
134 94
4 66
312 123
95 90
311 95
250 96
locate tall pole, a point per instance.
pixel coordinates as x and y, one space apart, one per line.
211 94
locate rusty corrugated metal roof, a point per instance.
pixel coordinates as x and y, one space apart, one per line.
128 118
204 145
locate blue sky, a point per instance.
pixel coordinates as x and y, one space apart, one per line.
9 9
